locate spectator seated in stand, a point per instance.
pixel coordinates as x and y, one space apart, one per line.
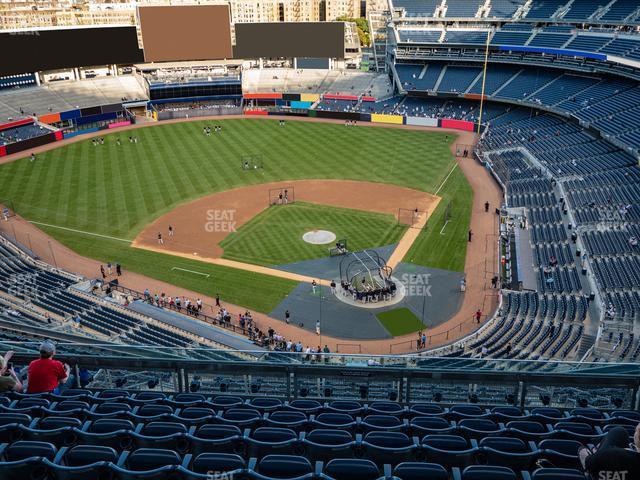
46 374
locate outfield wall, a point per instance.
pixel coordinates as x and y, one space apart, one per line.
105 116
366 117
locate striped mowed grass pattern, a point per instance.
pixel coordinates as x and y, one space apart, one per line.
274 237
117 190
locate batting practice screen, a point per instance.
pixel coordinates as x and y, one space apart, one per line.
192 32
275 40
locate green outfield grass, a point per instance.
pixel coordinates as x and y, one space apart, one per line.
446 248
117 190
261 293
274 237
400 321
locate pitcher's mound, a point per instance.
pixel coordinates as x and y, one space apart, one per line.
319 237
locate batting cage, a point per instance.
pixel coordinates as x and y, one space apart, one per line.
366 276
411 218
282 195
254 161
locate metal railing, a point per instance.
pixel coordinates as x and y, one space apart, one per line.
366 375
136 295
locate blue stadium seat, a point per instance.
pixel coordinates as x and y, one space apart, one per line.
557 474
449 450
387 408
344 406
60 431
508 452
427 409
561 453
211 438
351 469
82 462
326 444
528 430
269 440
507 414
431 425
115 433
165 435
389 447
582 432
479 428
241 417
485 472
284 467
420 471
224 402
382 422
152 412
195 415
342 421
25 460
9 425
287 418
305 406
460 412
223 464
147 463
265 404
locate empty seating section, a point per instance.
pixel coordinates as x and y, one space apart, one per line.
496 77
466 37
621 46
545 9
588 43
620 11
563 88
462 8
68 95
549 40
50 291
505 8
410 76
120 434
419 36
609 104
527 82
505 37
417 8
583 10
458 79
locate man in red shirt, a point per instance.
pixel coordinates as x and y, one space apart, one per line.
46 374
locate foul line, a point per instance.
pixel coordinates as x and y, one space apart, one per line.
443 227
445 179
190 271
82 231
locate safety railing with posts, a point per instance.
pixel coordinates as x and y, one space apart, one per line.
331 376
197 314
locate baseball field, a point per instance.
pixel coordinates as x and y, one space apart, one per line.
97 198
